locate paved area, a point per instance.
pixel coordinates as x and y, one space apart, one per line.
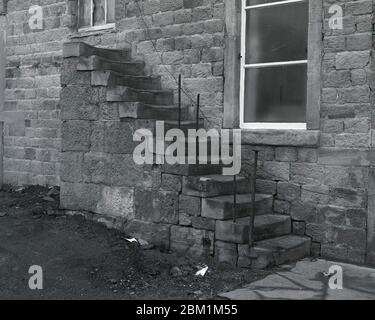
309 280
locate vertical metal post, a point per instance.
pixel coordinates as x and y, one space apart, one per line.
197 126
179 100
234 198
197 112
253 198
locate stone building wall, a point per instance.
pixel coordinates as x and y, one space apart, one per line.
32 145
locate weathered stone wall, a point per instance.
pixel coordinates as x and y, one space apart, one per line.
31 153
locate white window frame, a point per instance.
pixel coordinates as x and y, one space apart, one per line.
244 66
104 26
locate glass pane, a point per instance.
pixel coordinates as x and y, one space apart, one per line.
254 2
111 11
84 13
99 12
275 94
277 33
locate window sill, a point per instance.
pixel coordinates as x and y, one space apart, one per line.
90 31
286 138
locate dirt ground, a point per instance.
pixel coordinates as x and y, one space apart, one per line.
85 260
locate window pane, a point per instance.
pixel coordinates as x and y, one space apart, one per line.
255 2
111 11
99 12
84 13
275 94
277 33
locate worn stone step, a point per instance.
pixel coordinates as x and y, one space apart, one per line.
81 49
265 227
96 63
214 185
126 94
280 250
271 226
111 79
139 110
221 208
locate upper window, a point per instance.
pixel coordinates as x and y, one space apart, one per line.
274 64
96 14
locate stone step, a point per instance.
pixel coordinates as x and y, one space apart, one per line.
139 110
271 226
81 49
96 63
126 94
221 208
111 79
280 250
265 227
213 185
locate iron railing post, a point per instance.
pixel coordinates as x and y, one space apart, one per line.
197 112
253 198
234 198
179 100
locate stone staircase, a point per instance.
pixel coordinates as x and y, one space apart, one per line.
138 96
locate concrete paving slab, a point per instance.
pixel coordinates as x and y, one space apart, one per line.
310 280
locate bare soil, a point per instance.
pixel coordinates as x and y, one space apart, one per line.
85 260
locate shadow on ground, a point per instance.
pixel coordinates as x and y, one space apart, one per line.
84 260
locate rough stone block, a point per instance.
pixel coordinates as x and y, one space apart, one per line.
272 170
190 205
192 241
96 168
280 206
80 196
113 137
226 252
203 223
171 182
328 175
288 191
302 211
71 166
75 135
266 186
184 220
157 206
352 60
126 173
233 232
117 202
299 228
307 155
286 154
